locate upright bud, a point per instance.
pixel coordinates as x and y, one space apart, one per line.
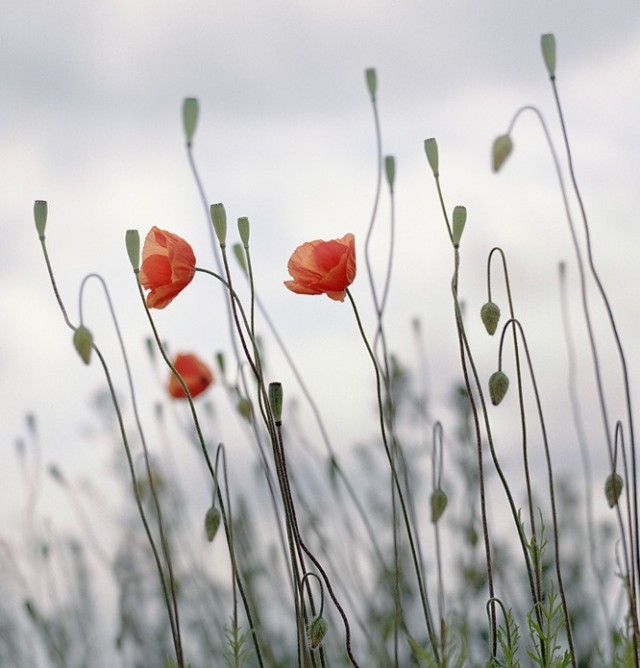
83 343
548 44
498 386
189 117
40 211
431 149
490 316
502 147
390 169
459 220
613 488
372 81
219 220
275 401
132 241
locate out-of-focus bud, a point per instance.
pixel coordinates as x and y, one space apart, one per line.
438 504
613 488
83 343
372 81
390 169
502 147
212 523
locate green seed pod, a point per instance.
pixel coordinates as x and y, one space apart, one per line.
372 81
438 504
548 44
243 230
83 343
219 220
275 400
189 117
390 170
502 148
459 220
212 523
490 315
498 386
613 488
317 631
40 210
431 149
132 241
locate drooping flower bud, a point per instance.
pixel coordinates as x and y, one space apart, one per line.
613 488
431 149
490 315
189 117
498 386
132 241
459 220
317 631
212 523
372 81
219 220
83 343
502 148
438 504
548 44
40 210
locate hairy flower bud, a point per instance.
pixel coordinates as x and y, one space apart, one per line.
317 631
490 315
613 488
498 386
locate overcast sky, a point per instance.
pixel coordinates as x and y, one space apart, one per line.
91 94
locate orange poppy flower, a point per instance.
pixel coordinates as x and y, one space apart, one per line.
168 265
195 373
323 267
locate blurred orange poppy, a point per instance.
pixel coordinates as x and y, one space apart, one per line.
195 373
168 265
323 267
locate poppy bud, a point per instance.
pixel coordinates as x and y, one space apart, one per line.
459 220
317 631
613 488
244 408
275 401
40 210
431 149
438 504
372 81
219 220
189 117
243 230
502 147
490 315
548 44
390 169
212 523
83 342
56 474
498 386
132 241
